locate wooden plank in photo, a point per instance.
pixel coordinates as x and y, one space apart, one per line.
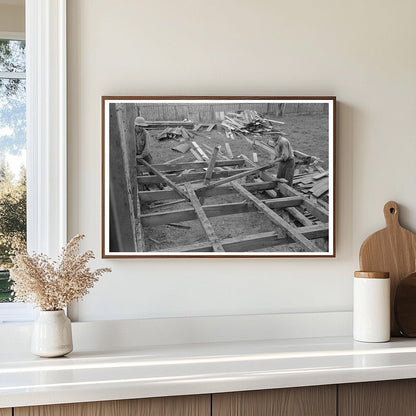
276 219
196 155
320 175
200 151
270 191
182 148
320 188
124 139
211 165
172 167
203 219
238 176
215 210
228 149
169 123
165 179
298 216
185 133
197 127
169 162
141 247
158 204
254 241
255 158
187 176
169 194
210 127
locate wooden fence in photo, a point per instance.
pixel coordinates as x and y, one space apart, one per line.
206 112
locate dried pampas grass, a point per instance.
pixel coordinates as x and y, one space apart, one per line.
53 285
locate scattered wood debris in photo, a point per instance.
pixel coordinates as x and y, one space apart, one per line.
212 187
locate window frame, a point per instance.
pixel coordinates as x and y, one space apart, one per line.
46 138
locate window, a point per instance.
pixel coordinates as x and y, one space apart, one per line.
12 154
12 164
46 134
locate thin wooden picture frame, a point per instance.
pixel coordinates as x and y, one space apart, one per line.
198 176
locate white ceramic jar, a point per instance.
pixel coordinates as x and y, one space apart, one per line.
371 309
52 334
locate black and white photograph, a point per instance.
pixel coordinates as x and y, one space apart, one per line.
218 176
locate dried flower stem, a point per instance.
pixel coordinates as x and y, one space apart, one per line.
53 285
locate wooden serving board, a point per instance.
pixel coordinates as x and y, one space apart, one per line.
393 250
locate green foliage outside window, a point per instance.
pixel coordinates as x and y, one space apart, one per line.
12 145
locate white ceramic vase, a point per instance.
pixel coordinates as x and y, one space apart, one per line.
52 334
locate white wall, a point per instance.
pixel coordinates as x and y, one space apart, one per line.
361 51
12 18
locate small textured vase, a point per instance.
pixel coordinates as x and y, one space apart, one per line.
52 334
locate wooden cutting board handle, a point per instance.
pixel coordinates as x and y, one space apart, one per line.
391 214
393 250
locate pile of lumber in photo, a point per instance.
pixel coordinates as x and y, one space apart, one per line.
249 121
315 184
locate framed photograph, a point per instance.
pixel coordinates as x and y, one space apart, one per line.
218 177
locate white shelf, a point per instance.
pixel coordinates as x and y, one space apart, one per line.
151 371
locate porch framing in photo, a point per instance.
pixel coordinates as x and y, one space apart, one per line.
178 202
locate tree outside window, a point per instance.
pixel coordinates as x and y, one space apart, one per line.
12 156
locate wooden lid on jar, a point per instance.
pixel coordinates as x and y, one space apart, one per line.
372 275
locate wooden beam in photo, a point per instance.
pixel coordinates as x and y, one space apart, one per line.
169 162
173 167
271 191
140 243
196 155
298 216
237 176
216 210
203 219
255 158
254 242
211 165
200 151
165 179
229 151
286 190
187 177
168 194
159 204
170 123
276 219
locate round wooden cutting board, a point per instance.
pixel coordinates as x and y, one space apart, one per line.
405 306
392 250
